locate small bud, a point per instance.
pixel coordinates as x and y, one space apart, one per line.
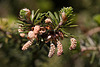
61 35
48 27
22 34
73 43
49 37
48 20
57 36
27 44
25 13
20 30
64 18
31 34
42 30
59 48
36 29
52 50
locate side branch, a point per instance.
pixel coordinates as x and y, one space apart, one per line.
91 48
58 26
93 31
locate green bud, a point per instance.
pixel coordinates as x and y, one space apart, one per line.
25 13
66 12
64 18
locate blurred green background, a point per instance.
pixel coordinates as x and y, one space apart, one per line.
87 17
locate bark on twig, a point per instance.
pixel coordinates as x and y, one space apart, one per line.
58 26
91 48
93 31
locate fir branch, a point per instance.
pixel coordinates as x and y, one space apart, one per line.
46 28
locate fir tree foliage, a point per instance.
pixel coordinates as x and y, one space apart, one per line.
45 28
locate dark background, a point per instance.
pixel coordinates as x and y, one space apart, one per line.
11 54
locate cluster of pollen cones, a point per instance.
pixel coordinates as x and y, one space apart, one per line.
53 37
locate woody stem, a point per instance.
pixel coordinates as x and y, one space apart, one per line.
58 26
